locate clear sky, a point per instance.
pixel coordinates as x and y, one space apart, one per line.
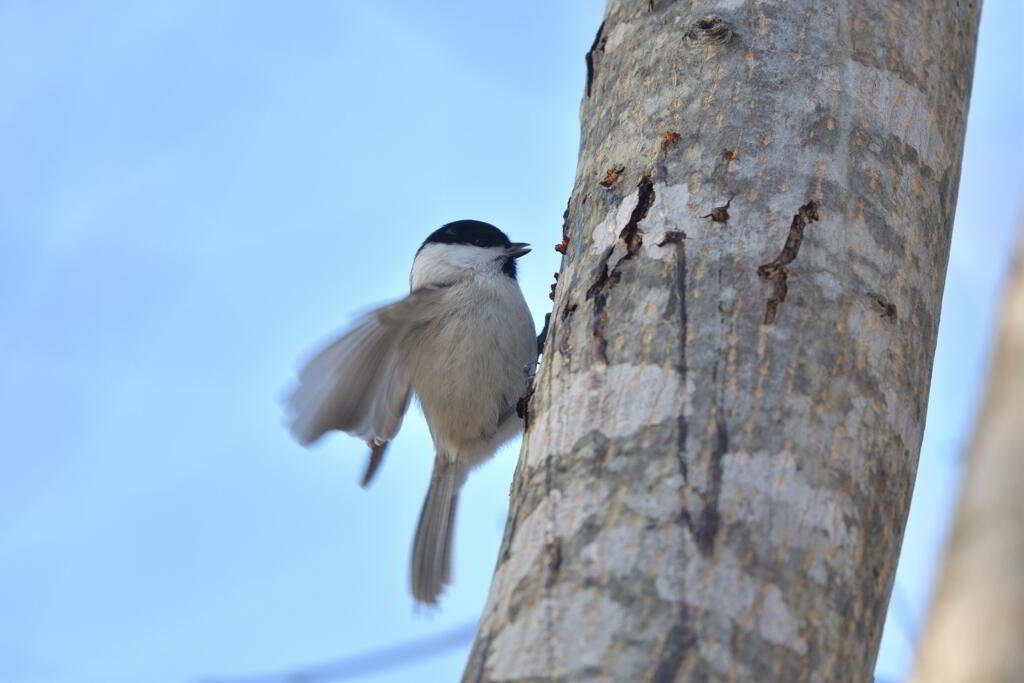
193 194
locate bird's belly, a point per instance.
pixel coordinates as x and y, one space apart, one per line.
467 383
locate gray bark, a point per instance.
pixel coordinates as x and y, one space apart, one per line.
724 432
976 630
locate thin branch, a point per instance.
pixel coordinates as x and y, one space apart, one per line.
367 663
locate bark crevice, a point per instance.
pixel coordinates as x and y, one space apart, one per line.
631 233
598 293
705 528
608 277
595 51
776 271
680 640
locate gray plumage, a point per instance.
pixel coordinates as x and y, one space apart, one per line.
463 341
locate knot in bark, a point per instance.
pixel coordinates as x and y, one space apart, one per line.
710 29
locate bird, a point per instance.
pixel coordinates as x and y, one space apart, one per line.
463 342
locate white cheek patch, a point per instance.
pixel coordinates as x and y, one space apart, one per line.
428 267
438 263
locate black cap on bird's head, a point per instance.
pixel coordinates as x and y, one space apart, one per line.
479 234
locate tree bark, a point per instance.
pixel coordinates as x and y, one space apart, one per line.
976 630
724 432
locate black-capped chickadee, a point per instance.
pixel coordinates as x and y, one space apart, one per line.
464 342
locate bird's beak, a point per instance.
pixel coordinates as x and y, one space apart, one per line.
517 249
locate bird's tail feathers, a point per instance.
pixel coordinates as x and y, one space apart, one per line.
432 547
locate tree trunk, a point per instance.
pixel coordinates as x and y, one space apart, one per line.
976 630
724 433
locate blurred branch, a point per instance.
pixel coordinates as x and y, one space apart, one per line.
976 626
367 663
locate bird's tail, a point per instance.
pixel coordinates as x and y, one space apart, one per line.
432 547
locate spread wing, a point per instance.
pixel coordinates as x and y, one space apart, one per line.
358 383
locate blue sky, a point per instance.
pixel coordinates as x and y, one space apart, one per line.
192 194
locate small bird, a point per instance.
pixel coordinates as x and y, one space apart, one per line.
463 341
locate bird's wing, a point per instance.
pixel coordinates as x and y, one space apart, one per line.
357 383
